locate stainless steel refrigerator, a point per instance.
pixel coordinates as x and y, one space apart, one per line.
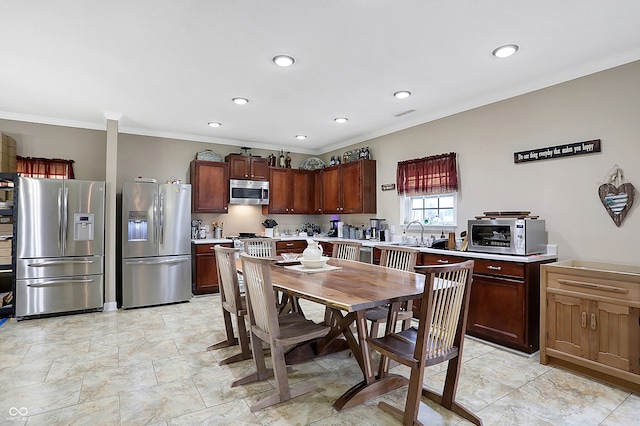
156 244
60 246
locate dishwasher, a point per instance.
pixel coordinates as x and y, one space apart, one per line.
366 254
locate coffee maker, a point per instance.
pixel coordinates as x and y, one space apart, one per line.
377 229
333 232
195 229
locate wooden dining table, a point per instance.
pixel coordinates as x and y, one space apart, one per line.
349 291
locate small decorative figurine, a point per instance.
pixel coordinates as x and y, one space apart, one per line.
288 161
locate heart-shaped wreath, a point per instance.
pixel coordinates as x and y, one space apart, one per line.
616 199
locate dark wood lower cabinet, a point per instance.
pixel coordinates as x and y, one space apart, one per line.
204 268
505 300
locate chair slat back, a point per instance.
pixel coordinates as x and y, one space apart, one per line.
260 295
228 276
445 304
260 247
402 258
346 250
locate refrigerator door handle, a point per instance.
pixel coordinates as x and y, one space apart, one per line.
60 281
155 216
65 209
161 224
61 262
60 205
156 262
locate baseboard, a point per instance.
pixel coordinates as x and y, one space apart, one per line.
110 306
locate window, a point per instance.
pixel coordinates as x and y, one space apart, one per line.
429 186
53 168
431 210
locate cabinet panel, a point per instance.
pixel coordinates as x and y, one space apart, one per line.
279 191
290 192
566 331
210 187
497 309
300 196
331 190
610 338
205 269
243 167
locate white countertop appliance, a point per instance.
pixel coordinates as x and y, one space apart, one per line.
518 236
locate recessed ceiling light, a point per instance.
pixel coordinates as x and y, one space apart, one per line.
284 60
301 137
341 120
214 124
402 94
505 51
240 101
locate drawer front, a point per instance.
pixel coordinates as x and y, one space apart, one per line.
295 246
621 290
495 267
436 259
209 248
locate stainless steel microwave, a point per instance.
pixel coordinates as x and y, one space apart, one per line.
248 192
507 236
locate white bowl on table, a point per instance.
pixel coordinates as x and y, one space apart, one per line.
314 263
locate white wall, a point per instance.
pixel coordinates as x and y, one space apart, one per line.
563 191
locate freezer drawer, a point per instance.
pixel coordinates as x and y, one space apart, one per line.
59 267
148 281
61 294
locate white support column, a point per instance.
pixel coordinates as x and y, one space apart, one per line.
110 303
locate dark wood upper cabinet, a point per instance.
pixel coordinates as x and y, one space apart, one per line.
243 167
349 187
210 187
290 191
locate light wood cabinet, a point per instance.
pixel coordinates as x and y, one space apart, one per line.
291 191
590 319
504 304
204 269
210 187
244 167
349 188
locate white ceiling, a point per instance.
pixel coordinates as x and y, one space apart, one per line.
171 66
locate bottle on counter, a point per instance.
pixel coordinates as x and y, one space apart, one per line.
282 161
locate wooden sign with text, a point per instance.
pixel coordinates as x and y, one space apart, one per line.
578 148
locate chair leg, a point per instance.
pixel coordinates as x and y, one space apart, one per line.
374 329
243 336
231 338
262 372
284 392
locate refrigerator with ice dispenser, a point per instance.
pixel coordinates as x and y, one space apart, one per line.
60 246
156 244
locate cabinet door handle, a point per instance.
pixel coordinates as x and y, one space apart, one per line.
289 244
495 268
212 248
584 319
442 261
593 321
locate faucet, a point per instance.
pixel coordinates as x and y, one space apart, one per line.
421 230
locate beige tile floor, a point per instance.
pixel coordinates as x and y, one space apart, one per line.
150 366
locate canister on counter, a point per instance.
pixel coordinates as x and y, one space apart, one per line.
451 244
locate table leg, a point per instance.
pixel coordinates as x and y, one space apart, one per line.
372 386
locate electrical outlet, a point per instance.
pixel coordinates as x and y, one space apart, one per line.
206 228
392 229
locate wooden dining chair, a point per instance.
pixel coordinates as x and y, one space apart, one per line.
260 247
233 305
277 331
438 338
346 250
395 257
